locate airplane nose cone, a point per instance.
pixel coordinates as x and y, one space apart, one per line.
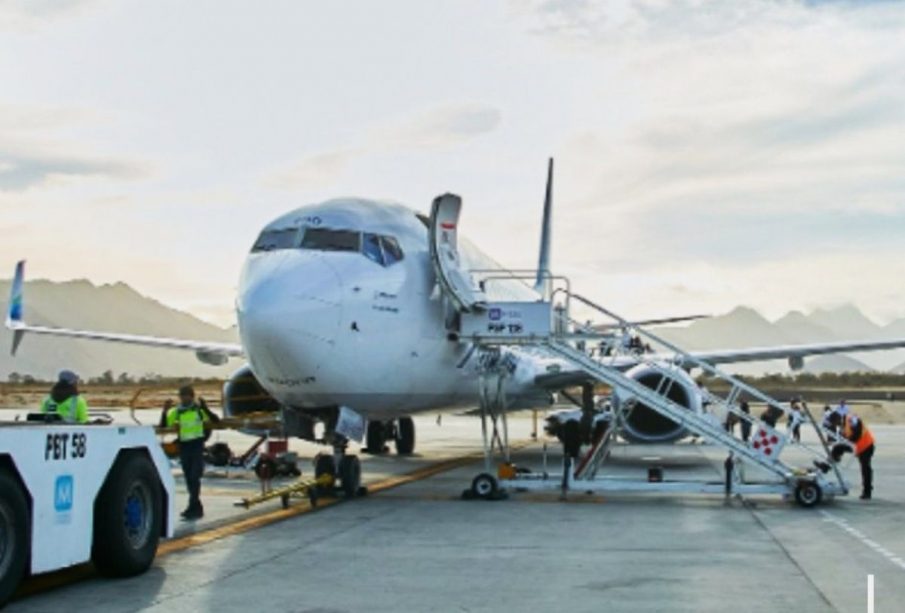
289 311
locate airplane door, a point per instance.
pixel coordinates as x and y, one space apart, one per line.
454 279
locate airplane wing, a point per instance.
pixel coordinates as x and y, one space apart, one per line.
794 353
208 352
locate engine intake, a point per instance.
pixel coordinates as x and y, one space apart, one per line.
243 394
644 425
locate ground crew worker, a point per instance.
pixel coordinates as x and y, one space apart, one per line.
855 431
796 417
65 400
193 420
746 424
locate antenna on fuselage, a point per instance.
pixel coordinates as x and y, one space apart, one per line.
542 283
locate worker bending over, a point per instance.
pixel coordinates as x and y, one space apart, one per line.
854 430
193 420
65 400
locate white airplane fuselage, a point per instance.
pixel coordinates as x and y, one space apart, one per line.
327 328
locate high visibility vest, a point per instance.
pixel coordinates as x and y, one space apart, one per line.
73 410
190 420
866 439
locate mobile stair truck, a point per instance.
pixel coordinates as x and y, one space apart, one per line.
73 493
803 470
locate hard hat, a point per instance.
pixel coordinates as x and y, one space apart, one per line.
67 376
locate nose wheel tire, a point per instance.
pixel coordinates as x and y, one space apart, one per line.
128 518
324 465
808 494
484 486
350 475
13 536
405 436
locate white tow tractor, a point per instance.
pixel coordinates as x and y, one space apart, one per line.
70 493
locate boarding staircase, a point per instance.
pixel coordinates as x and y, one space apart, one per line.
548 325
767 447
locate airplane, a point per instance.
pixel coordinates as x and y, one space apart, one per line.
348 313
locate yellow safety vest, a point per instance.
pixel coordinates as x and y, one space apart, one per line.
191 422
74 409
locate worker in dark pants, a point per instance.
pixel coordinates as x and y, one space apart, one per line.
854 430
745 408
193 421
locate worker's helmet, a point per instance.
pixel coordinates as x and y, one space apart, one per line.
68 377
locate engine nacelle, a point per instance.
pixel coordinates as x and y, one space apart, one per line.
796 363
243 394
644 425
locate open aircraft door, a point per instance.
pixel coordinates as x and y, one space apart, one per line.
455 280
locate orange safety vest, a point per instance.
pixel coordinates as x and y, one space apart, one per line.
866 439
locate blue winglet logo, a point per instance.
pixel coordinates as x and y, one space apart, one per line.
15 298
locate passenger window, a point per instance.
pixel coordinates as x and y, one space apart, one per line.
371 248
392 252
276 239
324 239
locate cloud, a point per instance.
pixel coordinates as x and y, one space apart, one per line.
32 154
314 171
27 14
439 128
23 171
578 22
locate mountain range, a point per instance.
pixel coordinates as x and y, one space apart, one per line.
744 327
119 308
115 308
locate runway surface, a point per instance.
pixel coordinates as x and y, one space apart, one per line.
419 547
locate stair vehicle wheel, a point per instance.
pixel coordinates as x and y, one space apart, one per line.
405 436
13 535
350 475
484 486
219 454
128 518
266 468
808 494
377 436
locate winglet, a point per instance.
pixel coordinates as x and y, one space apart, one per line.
14 315
542 283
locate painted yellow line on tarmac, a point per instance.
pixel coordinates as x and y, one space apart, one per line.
303 506
48 581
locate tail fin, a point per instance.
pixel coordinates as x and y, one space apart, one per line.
542 284
14 314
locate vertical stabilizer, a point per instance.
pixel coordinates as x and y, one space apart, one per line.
542 284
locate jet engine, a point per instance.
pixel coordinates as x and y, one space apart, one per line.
244 394
644 425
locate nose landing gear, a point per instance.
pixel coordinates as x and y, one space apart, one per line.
345 467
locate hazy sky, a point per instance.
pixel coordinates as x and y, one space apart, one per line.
709 153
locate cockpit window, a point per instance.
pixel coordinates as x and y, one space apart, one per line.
392 252
370 246
382 250
270 240
324 239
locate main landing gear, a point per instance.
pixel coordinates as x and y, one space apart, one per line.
402 431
